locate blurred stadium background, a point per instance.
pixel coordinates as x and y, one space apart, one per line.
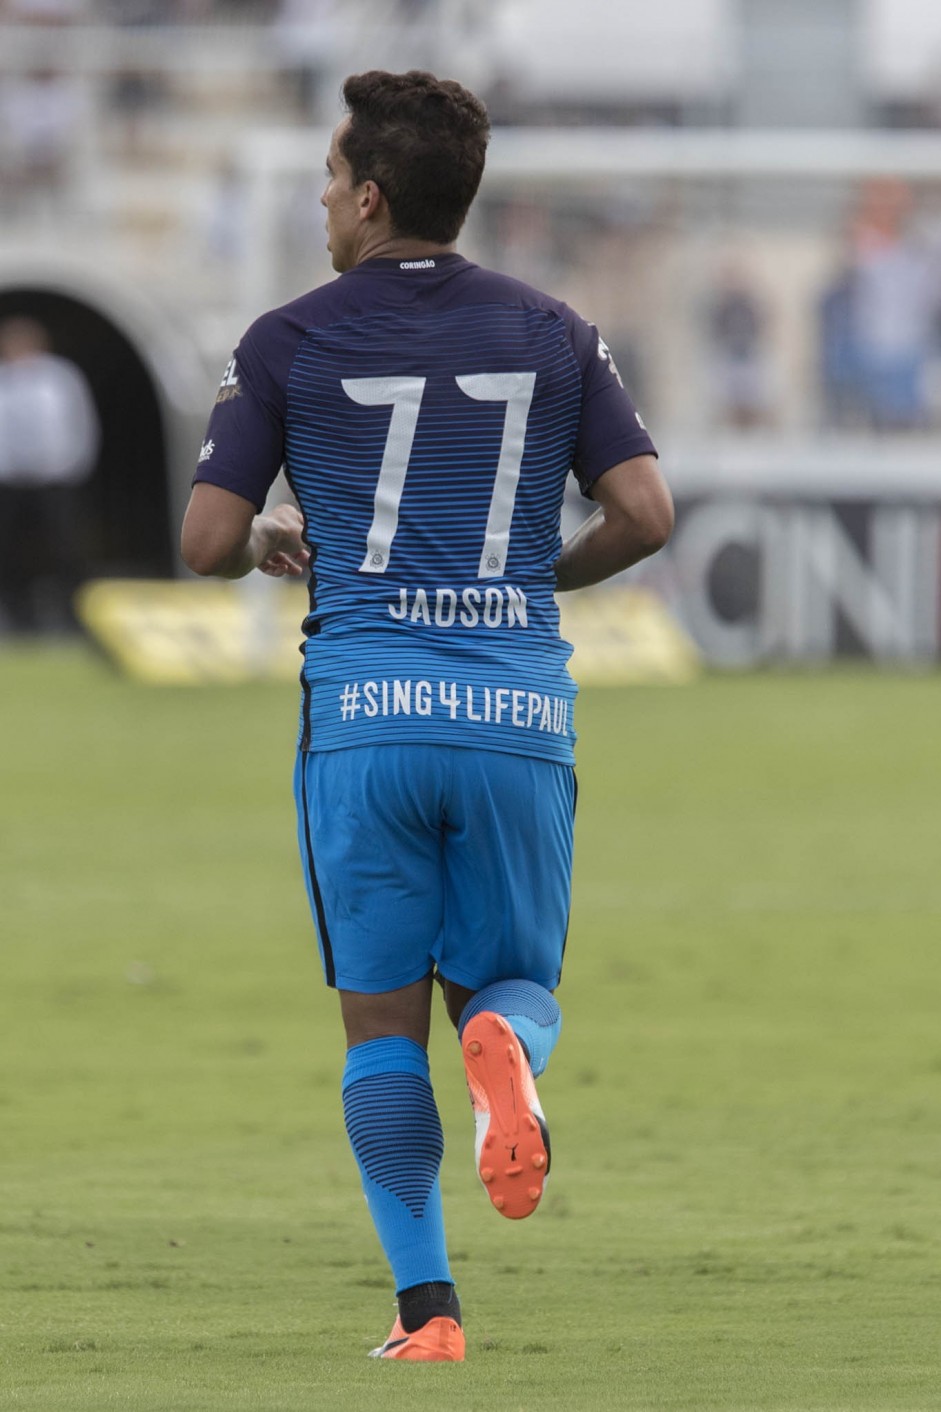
745 195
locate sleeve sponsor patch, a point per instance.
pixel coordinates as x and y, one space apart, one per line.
229 386
604 353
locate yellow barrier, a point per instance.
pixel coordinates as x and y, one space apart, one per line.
188 633
625 635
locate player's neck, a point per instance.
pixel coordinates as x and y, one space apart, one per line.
393 247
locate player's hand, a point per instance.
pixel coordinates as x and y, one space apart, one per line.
279 565
287 555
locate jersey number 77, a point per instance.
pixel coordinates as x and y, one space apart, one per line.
405 394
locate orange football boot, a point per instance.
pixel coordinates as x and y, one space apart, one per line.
441 1340
512 1146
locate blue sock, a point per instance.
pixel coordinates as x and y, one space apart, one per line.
393 1124
532 1012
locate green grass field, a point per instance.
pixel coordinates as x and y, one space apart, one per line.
744 1208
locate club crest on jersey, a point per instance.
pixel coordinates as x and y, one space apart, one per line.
229 386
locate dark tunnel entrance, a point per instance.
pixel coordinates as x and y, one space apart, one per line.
128 504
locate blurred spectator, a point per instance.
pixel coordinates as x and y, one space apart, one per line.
43 12
305 34
39 118
135 93
154 12
227 215
895 309
737 333
49 438
40 109
840 383
879 318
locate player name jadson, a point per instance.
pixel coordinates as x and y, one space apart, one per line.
446 607
515 707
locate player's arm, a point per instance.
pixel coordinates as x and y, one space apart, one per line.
633 520
224 536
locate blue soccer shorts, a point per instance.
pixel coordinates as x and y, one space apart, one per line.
418 856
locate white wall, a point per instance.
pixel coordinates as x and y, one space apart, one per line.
901 48
630 48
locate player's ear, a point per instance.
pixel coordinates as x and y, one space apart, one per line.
370 200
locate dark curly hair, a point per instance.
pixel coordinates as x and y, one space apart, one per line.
423 141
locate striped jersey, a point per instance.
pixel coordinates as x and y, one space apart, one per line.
427 414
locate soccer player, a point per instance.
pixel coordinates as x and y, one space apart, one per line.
427 413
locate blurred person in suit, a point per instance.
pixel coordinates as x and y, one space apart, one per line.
49 440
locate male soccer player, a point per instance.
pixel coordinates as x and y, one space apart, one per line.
428 412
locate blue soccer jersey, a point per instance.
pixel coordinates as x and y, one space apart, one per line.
427 413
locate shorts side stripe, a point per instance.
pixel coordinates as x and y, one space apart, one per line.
568 917
305 716
328 963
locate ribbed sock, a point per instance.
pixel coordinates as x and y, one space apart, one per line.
531 1010
423 1302
393 1125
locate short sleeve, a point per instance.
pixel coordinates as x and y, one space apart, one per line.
610 428
244 445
